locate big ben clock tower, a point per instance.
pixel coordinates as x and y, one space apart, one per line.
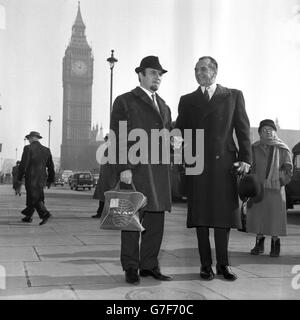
77 98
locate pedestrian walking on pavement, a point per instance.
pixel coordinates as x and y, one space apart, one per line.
143 109
212 195
16 184
272 163
38 168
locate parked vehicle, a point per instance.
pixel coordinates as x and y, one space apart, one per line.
59 181
293 188
66 175
81 180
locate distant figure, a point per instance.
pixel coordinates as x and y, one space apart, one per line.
16 185
37 166
107 180
272 163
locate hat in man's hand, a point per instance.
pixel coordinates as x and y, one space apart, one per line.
150 62
250 187
34 134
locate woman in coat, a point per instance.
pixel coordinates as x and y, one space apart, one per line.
272 163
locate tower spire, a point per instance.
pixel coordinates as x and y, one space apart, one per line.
78 20
78 38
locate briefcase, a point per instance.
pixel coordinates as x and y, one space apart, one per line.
121 209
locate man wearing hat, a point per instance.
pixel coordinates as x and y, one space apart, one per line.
142 108
212 195
38 168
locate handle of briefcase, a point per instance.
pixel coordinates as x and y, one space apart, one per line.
117 187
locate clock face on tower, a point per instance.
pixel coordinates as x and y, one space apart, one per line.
79 67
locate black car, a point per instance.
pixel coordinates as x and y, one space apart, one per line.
293 188
81 180
59 181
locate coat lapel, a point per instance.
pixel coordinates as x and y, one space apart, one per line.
163 110
207 107
145 98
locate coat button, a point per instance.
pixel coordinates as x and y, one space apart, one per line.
217 157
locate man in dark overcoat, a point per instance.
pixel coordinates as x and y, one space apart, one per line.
142 108
212 195
16 185
37 166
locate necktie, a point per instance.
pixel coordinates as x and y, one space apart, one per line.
206 95
154 101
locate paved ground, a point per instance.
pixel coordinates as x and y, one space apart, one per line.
70 258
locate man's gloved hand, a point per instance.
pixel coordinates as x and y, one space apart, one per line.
126 176
48 184
242 167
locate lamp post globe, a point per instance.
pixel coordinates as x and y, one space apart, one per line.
49 121
111 60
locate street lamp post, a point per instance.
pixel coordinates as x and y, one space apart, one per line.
112 60
49 121
16 154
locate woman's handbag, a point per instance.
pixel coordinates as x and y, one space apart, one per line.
121 209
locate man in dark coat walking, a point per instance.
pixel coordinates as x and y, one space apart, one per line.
38 168
144 110
212 195
16 185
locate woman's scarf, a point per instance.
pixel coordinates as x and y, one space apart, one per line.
273 181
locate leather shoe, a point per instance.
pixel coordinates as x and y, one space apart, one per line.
27 219
156 274
131 276
45 219
206 273
97 216
226 272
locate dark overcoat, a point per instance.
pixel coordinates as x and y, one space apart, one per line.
212 195
37 166
107 180
15 177
153 180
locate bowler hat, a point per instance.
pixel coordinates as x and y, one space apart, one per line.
267 122
250 187
34 134
150 62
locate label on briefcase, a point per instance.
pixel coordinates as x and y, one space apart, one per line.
114 203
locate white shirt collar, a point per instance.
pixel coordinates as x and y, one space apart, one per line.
149 93
211 89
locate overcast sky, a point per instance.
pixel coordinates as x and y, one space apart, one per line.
256 42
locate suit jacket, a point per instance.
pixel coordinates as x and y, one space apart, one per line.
212 195
37 166
153 180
